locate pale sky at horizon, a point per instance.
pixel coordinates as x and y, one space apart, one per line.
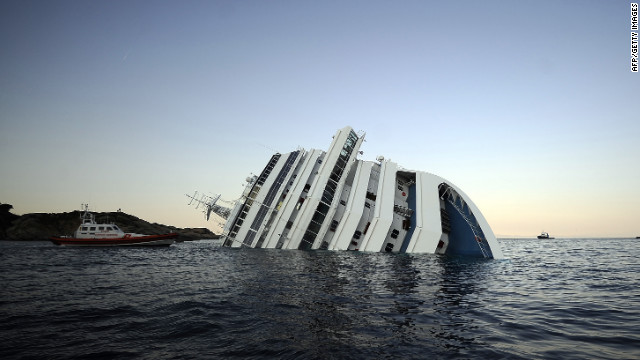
529 107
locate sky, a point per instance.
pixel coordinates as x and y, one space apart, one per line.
530 107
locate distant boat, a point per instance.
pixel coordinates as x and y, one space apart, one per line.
545 235
90 233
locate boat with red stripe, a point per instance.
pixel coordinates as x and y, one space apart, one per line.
91 233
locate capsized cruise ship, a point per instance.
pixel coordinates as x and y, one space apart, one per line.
331 200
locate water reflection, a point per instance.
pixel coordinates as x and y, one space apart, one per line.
355 301
579 300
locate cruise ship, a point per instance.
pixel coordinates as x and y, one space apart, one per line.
332 200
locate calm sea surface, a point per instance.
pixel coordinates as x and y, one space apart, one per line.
550 299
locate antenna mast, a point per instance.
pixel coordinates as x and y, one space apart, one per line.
209 205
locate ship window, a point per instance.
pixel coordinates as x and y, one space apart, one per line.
343 203
395 233
93 228
115 227
306 187
400 187
101 228
357 234
85 228
314 227
389 247
334 225
289 224
109 228
319 161
367 205
354 243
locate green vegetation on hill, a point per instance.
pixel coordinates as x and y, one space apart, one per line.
40 226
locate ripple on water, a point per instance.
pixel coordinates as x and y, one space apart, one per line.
569 299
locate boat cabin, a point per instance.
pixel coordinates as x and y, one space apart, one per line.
89 229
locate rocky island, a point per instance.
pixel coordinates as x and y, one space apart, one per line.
40 226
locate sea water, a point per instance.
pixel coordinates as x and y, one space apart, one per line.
549 299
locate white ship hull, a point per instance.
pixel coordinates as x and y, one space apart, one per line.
331 200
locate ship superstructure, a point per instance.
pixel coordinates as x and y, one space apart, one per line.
331 200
